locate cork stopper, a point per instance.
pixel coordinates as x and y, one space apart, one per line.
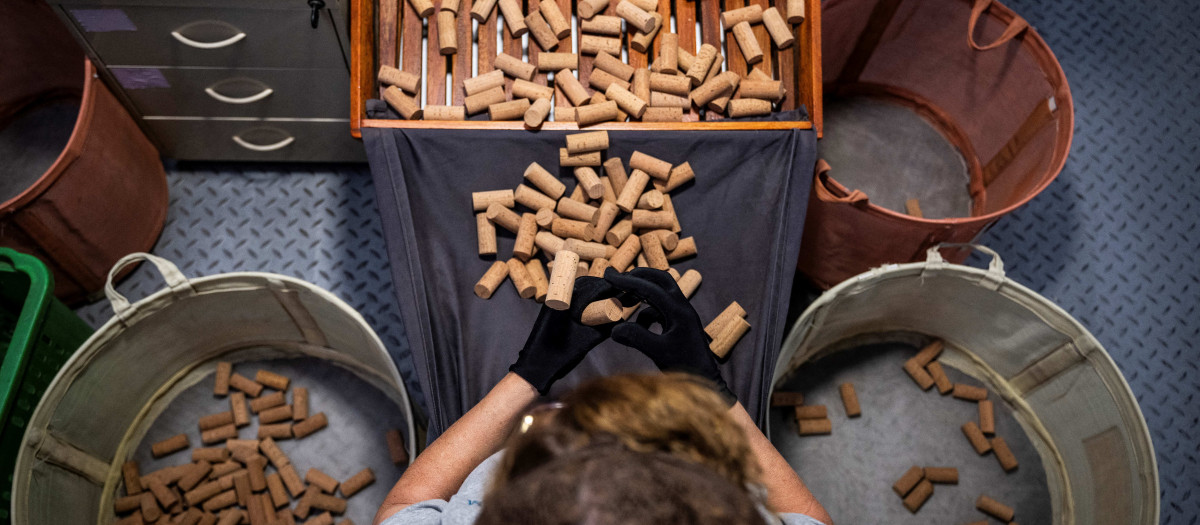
541 31
637 17
562 280
602 312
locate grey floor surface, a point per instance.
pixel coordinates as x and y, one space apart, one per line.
1115 240
316 223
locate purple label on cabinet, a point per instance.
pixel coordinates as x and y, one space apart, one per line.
103 20
140 77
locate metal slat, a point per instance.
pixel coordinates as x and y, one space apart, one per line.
764 40
585 61
710 31
734 60
710 23
487 46
435 63
787 62
807 73
534 49
512 46
636 58
364 40
463 61
685 24
389 16
564 46
664 9
568 9
411 25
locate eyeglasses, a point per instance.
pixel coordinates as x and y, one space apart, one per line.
538 411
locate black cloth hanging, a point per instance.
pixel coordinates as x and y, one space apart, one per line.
745 209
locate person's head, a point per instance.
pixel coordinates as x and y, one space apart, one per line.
610 485
677 414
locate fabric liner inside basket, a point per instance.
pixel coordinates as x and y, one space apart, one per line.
893 154
851 471
358 414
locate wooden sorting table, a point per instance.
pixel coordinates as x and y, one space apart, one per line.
389 32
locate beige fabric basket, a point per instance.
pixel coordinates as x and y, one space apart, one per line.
101 403
1062 386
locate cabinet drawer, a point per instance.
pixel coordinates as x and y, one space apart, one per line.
261 93
199 37
257 140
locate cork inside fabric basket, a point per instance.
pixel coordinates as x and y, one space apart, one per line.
99 407
957 104
1062 386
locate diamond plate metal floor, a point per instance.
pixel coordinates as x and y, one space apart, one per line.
1115 240
314 223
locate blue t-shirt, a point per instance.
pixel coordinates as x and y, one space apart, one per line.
463 508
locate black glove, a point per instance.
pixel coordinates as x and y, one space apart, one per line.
559 341
682 346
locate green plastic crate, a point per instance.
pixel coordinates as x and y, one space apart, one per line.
37 335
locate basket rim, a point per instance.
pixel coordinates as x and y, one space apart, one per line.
70 152
1135 420
163 299
29 321
1037 47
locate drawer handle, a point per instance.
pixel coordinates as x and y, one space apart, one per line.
244 100
269 147
208 45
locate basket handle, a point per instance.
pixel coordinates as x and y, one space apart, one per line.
828 190
1015 27
995 270
174 278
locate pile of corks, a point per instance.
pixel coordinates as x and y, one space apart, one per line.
915 487
675 83
613 220
229 482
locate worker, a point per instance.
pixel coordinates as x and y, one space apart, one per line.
606 483
446 483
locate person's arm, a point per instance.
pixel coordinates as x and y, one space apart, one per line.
786 492
438 472
557 342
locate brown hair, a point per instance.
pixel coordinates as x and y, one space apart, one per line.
611 485
678 414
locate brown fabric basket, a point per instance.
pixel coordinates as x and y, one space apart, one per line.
982 77
105 194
